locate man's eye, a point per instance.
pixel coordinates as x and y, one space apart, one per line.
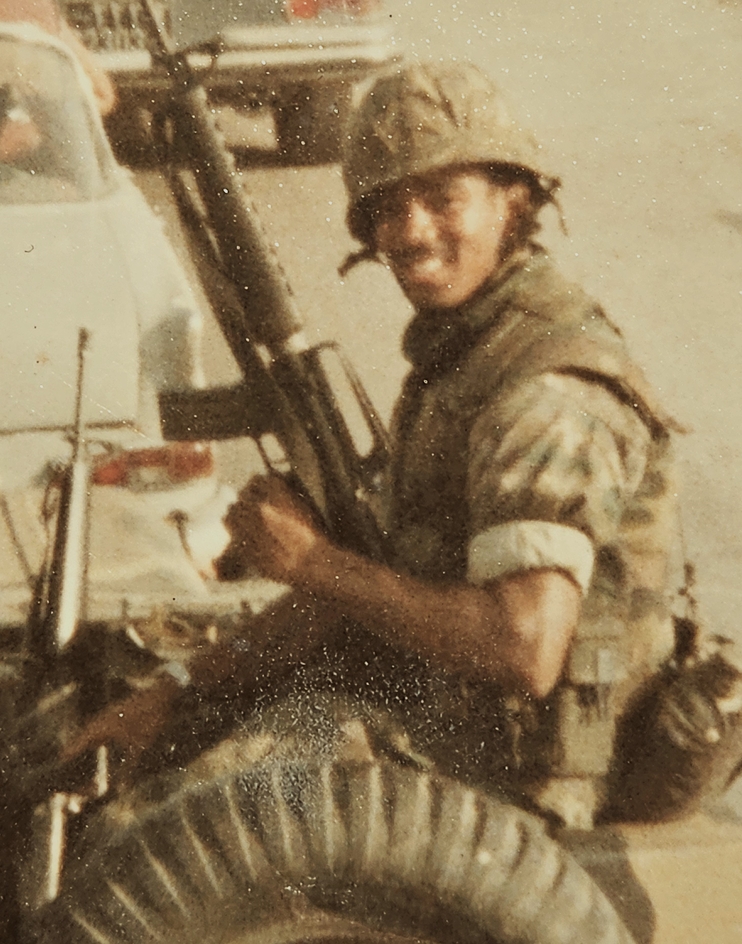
381 215
444 200
385 207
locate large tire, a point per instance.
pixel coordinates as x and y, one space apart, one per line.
385 844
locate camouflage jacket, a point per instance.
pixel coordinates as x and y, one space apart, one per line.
525 437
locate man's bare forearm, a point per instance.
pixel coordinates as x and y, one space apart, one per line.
285 633
515 630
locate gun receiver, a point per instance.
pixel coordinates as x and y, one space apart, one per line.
292 389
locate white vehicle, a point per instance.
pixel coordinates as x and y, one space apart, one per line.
80 248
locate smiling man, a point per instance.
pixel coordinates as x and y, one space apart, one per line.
445 234
532 509
532 502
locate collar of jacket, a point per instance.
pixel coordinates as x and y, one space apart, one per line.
438 338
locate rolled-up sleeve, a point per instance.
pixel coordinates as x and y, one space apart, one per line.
529 545
551 468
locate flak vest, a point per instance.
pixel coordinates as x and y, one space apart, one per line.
534 322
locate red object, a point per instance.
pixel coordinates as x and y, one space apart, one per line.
304 9
308 9
174 464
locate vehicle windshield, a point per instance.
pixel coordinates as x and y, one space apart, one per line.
50 148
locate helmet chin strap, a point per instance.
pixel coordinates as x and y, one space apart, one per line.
557 204
367 254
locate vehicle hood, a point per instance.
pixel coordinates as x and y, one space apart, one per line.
63 269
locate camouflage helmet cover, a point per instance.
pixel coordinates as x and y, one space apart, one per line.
429 116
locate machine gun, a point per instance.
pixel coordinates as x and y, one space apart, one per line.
286 390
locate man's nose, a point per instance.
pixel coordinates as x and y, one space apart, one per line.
417 224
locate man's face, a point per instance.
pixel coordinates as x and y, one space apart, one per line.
19 135
444 233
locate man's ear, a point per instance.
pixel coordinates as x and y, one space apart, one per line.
519 198
523 210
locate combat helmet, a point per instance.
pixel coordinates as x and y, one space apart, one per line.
427 116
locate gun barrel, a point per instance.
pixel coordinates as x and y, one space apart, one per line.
249 260
271 316
67 575
83 339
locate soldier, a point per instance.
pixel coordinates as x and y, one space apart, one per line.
533 512
533 508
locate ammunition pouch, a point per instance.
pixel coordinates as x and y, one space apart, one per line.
585 711
571 754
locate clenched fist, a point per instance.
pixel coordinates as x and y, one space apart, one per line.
271 530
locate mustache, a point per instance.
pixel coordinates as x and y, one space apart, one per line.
412 254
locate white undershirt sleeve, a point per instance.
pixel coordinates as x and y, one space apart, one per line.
530 545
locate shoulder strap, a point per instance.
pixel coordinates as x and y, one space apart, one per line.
602 361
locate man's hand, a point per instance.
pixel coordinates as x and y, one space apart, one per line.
272 530
131 725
